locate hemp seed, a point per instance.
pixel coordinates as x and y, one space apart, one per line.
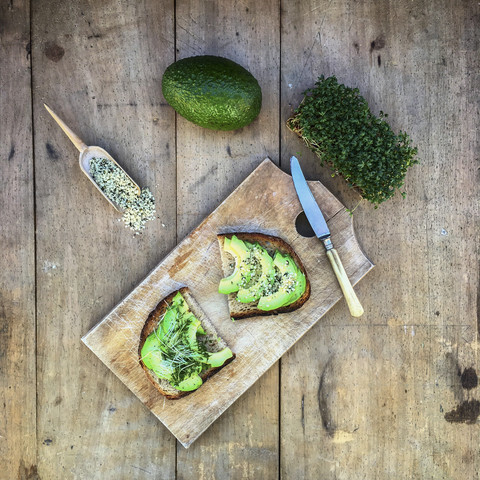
117 186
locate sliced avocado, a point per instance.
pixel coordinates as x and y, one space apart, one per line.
189 384
217 359
150 353
153 359
179 303
169 320
254 290
191 335
190 318
163 370
299 287
231 283
242 274
237 247
287 284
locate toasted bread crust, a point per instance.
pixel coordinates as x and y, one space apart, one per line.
239 310
152 323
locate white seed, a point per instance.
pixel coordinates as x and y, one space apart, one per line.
117 186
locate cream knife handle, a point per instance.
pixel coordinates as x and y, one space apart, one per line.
353 303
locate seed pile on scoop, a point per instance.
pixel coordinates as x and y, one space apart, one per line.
119 188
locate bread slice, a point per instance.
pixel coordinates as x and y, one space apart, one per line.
211 341
240 310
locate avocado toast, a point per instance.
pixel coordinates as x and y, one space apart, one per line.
262 275
179 347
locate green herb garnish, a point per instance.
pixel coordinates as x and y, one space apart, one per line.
181 355
336 123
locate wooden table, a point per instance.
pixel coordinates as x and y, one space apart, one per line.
390 395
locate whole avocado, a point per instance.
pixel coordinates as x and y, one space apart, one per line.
212 92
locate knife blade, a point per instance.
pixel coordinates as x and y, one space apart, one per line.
320 227
309 204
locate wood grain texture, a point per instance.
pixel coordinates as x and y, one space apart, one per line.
258 342
392 395
376 401
99 66
210 165
17 247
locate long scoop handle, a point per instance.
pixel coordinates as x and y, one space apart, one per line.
76 140
354 305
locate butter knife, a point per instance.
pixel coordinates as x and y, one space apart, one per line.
319 226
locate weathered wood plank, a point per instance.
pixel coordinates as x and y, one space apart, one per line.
387 395
374 398
210 164
17 251
99 65
339 425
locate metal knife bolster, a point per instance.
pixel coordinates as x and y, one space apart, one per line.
327 242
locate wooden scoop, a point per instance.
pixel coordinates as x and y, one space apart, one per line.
87 153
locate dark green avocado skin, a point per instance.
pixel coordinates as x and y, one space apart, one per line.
213 92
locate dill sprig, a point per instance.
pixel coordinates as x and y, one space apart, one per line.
180 358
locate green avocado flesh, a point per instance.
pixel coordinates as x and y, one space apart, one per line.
217 359
287 280
172 351
273 282
263 275
190 383
241 275
212 92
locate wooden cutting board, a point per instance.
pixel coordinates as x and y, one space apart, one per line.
265 202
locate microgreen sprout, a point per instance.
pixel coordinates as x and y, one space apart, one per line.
180 356
336 123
